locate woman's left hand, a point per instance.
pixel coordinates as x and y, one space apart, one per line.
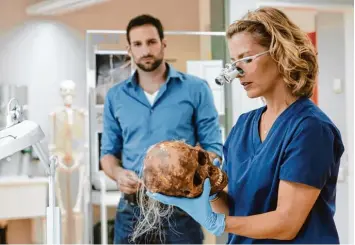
198 208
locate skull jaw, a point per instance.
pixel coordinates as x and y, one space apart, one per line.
218 178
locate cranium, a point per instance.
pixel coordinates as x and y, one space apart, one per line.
67 90
67 87
175 168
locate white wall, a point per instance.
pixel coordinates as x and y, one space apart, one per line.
304 18
41 54
349 93
331 53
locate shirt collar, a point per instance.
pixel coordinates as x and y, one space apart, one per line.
172 73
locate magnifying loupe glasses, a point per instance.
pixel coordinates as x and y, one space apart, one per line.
232 71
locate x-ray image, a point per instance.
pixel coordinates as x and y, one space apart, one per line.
110 69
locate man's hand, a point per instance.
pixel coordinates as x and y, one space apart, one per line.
127 181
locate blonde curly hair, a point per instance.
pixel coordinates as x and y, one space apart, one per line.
290 47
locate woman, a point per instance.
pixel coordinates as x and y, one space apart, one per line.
282 160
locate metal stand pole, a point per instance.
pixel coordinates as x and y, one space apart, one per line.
53 212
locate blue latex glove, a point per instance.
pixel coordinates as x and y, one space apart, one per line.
217 162
198 208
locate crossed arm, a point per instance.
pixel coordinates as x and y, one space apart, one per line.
295 201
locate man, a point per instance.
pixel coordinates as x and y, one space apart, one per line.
157 103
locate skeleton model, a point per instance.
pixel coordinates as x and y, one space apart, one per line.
69 144
174 168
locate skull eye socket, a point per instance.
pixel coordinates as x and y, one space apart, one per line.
197 179
202 158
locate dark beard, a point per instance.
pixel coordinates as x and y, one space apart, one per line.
151 67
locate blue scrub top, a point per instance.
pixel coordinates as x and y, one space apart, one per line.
302 146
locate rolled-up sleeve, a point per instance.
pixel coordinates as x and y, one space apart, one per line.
111 141
208 129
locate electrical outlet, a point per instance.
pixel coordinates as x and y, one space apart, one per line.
342 175
337 86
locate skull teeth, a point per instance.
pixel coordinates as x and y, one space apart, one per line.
220 177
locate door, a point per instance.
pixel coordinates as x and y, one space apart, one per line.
209 70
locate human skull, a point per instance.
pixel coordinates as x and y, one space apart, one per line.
175 168
67 90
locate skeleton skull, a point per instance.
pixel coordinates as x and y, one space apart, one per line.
175 168
67 90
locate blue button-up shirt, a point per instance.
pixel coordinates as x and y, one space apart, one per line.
183 110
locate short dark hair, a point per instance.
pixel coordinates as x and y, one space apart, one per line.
145 19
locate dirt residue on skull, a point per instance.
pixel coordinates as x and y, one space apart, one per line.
175 168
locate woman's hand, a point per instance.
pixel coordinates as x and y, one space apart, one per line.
198 208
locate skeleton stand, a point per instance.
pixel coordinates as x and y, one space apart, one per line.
68 142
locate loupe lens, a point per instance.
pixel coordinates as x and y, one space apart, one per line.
220 80
240 71
229 74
